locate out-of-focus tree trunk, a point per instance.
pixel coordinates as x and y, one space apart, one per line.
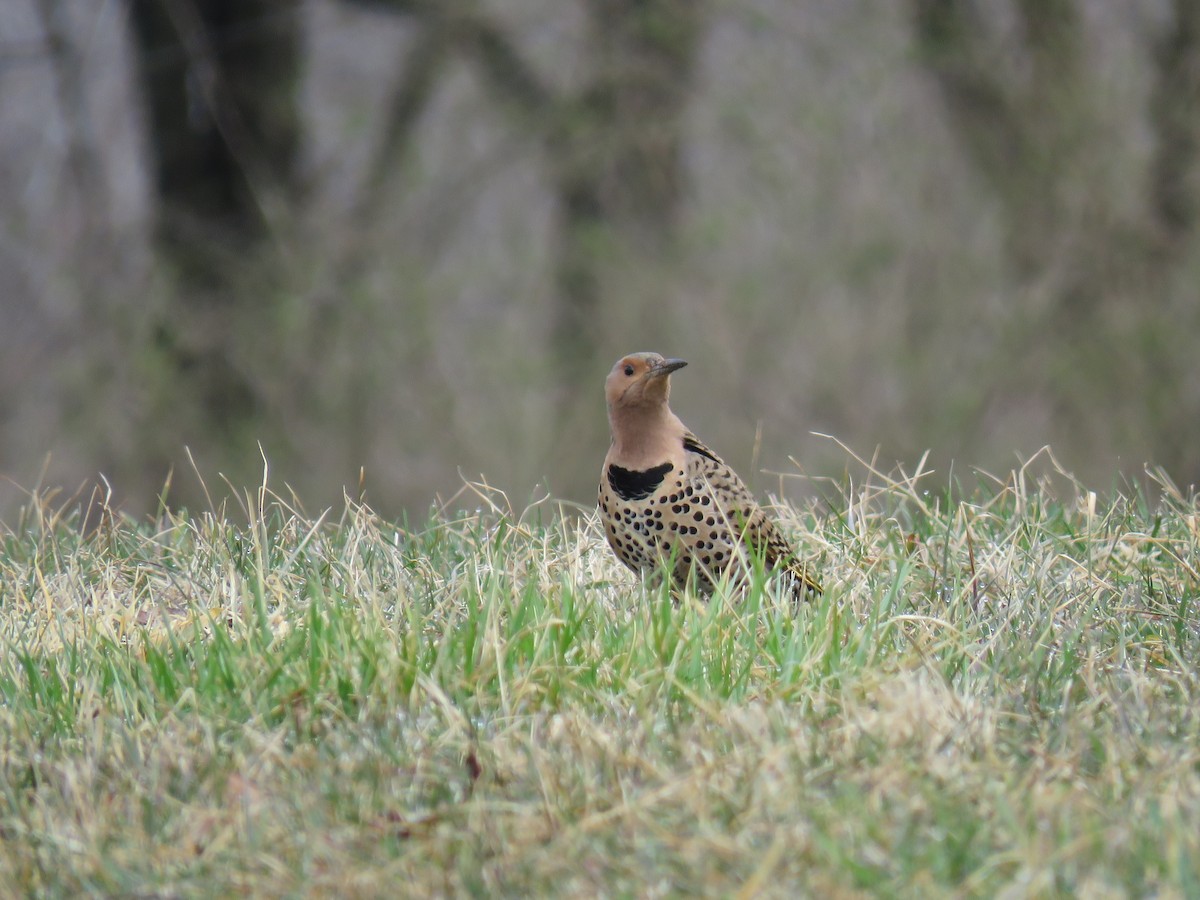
612 157
1024 110
83 154
612 145
616 154
219 79
1019 112
1175 114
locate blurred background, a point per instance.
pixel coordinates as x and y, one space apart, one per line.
409 238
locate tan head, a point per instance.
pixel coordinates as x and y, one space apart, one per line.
640 380
645 432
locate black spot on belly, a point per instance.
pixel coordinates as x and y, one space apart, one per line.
630 484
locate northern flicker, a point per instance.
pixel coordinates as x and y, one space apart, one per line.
667 498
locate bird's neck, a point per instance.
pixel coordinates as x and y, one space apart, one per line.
645 436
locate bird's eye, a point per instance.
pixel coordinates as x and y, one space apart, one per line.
629 370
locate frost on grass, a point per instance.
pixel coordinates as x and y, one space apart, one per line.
997 693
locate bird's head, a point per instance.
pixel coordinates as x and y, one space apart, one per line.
640 380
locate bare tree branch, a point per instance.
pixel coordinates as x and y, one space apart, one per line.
506 72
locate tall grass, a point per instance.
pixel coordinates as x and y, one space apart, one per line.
997 694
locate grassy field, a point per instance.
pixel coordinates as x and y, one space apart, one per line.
996 696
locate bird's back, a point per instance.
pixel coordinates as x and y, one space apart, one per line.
756 533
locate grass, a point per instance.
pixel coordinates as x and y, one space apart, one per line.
996 696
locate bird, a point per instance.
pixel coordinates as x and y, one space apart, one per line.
669 502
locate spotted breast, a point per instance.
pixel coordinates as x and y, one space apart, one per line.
667 499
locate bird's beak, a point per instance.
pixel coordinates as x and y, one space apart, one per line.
666 367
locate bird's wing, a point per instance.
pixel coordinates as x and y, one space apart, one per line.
742 511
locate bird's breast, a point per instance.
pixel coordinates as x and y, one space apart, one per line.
636 484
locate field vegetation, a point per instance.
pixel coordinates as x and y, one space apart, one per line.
997 695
